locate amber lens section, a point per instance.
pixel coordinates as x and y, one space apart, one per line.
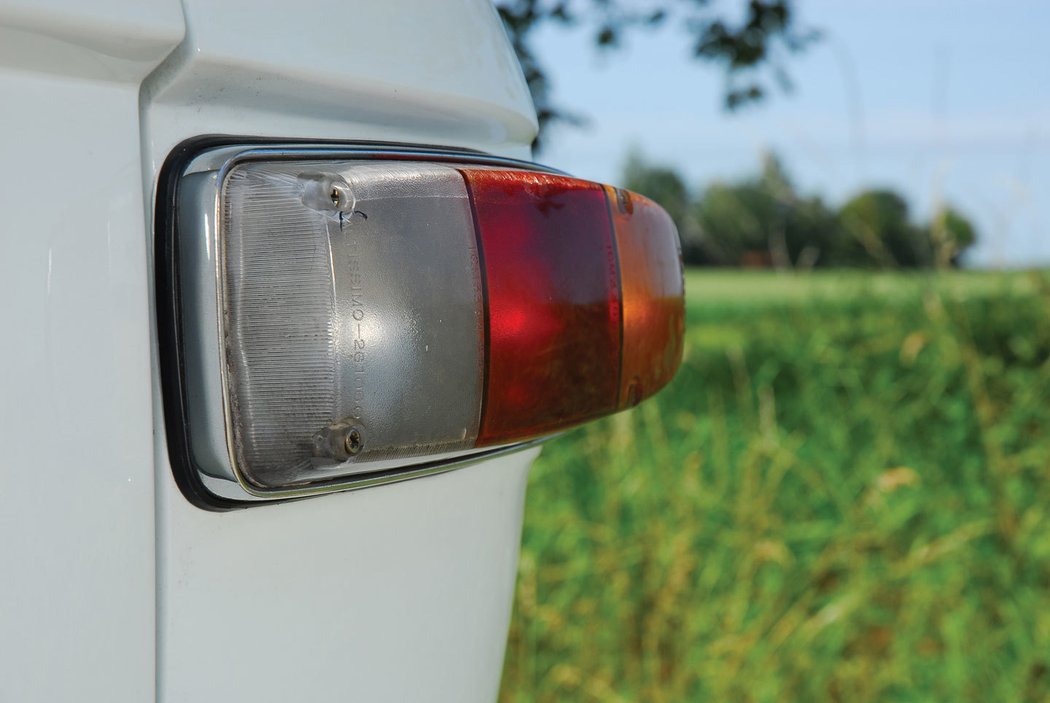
553 302
652 292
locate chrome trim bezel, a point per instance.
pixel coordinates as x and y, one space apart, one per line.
230 485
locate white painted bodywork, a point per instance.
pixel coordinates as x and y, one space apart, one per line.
112 586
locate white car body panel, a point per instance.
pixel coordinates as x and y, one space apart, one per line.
114 587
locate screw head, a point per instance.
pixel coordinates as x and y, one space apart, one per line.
353 442
623 201
634 393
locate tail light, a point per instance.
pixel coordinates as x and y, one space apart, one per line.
341 318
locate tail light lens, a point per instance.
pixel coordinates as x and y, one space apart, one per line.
343 321
553 295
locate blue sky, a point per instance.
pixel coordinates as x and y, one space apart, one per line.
940 100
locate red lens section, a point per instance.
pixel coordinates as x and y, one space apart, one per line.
553 302
653 295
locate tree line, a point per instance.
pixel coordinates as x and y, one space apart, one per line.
763 221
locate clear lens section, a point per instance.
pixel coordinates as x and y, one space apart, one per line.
339 354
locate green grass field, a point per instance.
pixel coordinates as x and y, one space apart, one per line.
843 496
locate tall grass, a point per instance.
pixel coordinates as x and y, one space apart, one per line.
844 496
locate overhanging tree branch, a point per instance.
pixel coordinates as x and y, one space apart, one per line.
748 49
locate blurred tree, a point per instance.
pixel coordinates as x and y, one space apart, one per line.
876 231
734 221
810 231
660 183
760 40
952 234
764 221
667 187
